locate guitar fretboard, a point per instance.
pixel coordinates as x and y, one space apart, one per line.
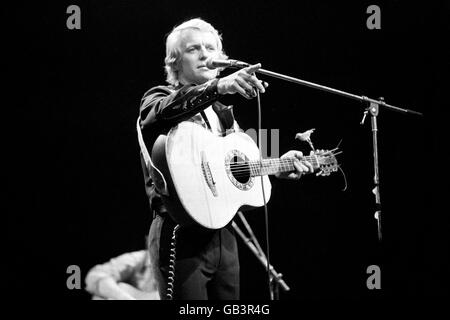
273 166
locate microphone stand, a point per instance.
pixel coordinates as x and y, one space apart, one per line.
275 278
372 106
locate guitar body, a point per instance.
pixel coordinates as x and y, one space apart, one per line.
207 177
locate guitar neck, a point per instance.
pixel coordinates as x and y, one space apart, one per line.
277 165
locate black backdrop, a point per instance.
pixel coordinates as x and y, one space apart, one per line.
79 197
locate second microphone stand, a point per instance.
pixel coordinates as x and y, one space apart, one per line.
252 243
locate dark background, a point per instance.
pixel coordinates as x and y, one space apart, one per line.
78 195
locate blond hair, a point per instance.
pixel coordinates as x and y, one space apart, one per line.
173 51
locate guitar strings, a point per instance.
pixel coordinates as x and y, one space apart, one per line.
246 168
242 165
275 160
257 165
310 158
244 171
269 162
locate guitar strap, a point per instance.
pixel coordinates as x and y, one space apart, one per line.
224 113
160 183
145 154
205 118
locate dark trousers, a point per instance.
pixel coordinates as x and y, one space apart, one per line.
207 262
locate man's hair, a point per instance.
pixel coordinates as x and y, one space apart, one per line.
173 52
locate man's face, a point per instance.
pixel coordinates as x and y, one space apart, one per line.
196 47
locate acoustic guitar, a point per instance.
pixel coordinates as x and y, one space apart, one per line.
205 179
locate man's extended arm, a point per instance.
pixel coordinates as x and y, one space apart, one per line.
169 107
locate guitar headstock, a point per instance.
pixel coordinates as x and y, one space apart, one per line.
326 161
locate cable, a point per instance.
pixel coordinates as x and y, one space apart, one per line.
266 213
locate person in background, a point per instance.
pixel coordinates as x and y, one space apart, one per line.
126 277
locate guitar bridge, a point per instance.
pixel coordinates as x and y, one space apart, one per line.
208 175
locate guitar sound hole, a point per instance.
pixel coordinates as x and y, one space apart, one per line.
240 169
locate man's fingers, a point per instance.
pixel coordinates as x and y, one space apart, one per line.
242 92
294 175
303 166
244 85
298 154
253 68
258 84
310 166
299 166
253 79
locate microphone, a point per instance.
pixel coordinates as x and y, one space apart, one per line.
230 63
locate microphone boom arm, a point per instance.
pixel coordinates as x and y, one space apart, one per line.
240 64
335 91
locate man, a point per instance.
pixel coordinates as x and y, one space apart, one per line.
204 264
